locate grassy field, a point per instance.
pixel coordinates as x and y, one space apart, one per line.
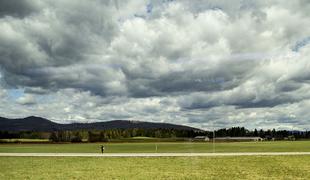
277 146
254 167
241 167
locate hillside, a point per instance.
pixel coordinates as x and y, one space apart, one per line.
33 123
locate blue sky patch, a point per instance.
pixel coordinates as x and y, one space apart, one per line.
15 93
149 8
301 44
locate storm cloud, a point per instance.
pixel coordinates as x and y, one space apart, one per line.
201 63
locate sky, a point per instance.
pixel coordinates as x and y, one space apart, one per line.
204 63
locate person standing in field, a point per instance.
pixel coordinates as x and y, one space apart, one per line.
102 148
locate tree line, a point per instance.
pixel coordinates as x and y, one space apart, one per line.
101 135
268 134
106 135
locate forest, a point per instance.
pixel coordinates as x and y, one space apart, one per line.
107 135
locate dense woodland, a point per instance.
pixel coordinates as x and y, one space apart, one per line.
106 135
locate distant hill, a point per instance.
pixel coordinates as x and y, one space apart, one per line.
33 123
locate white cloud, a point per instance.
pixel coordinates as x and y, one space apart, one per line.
26 100
192 62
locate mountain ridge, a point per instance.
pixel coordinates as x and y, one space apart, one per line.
34 123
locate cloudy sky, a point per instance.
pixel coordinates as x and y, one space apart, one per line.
200 63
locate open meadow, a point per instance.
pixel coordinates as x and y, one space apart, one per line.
162 147
218 167
249 167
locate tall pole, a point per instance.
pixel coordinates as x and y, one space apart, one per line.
213 139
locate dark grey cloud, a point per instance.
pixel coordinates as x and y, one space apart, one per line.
205 80
17 8
44 50
243 96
